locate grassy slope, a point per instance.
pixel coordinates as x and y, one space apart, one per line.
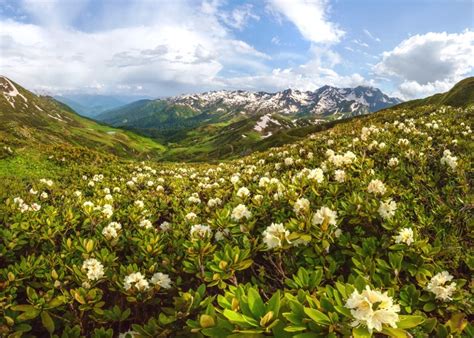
36 122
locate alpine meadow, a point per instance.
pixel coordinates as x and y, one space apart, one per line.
236 169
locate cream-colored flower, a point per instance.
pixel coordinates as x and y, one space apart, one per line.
135 281
405 236
376 187
274 235
240 212
161 279
438 285
325 214
387 209
373 309
301 206
94 269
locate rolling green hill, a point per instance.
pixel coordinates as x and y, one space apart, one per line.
32 121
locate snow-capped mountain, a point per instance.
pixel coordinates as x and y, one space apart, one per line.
234 117
324 101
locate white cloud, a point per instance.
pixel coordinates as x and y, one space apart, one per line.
360 43
311 75
310 17
178 48
239 17
429 63
370 35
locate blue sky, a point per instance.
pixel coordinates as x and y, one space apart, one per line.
160 48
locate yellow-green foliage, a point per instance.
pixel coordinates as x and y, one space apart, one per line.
361 230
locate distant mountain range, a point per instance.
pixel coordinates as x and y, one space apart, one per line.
230 121
91 105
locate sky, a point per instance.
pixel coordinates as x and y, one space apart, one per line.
159 48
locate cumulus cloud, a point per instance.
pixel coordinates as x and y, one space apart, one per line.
429 63
179 46
310 17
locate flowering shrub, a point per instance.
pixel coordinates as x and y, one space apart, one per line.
360 230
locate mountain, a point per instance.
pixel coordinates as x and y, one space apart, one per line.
325 103
233 121
461 95
29 120
92 105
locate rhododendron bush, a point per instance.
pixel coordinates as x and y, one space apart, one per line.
362 230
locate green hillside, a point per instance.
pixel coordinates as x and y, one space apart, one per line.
30 121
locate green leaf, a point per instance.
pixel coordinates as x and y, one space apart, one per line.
395 332
317 316
274 303
55 302
22 307
256 303
408 322
428 307
29 314
361 332
47 321
239 318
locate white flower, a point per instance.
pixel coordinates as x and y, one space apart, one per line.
77 193
214 202
373 309
234 179
94 269
135 280
376 187
139 204
33 191
387 209
240 212
393 162
316 174
438 286
107 210
194 199
274 235
191 216
44 195
200 231
111 230
145 224
88 205
405 235
289 161
340 176
49 183
35 207
325 215
263 182
301 206
161 279
447 159
165 226
243 192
